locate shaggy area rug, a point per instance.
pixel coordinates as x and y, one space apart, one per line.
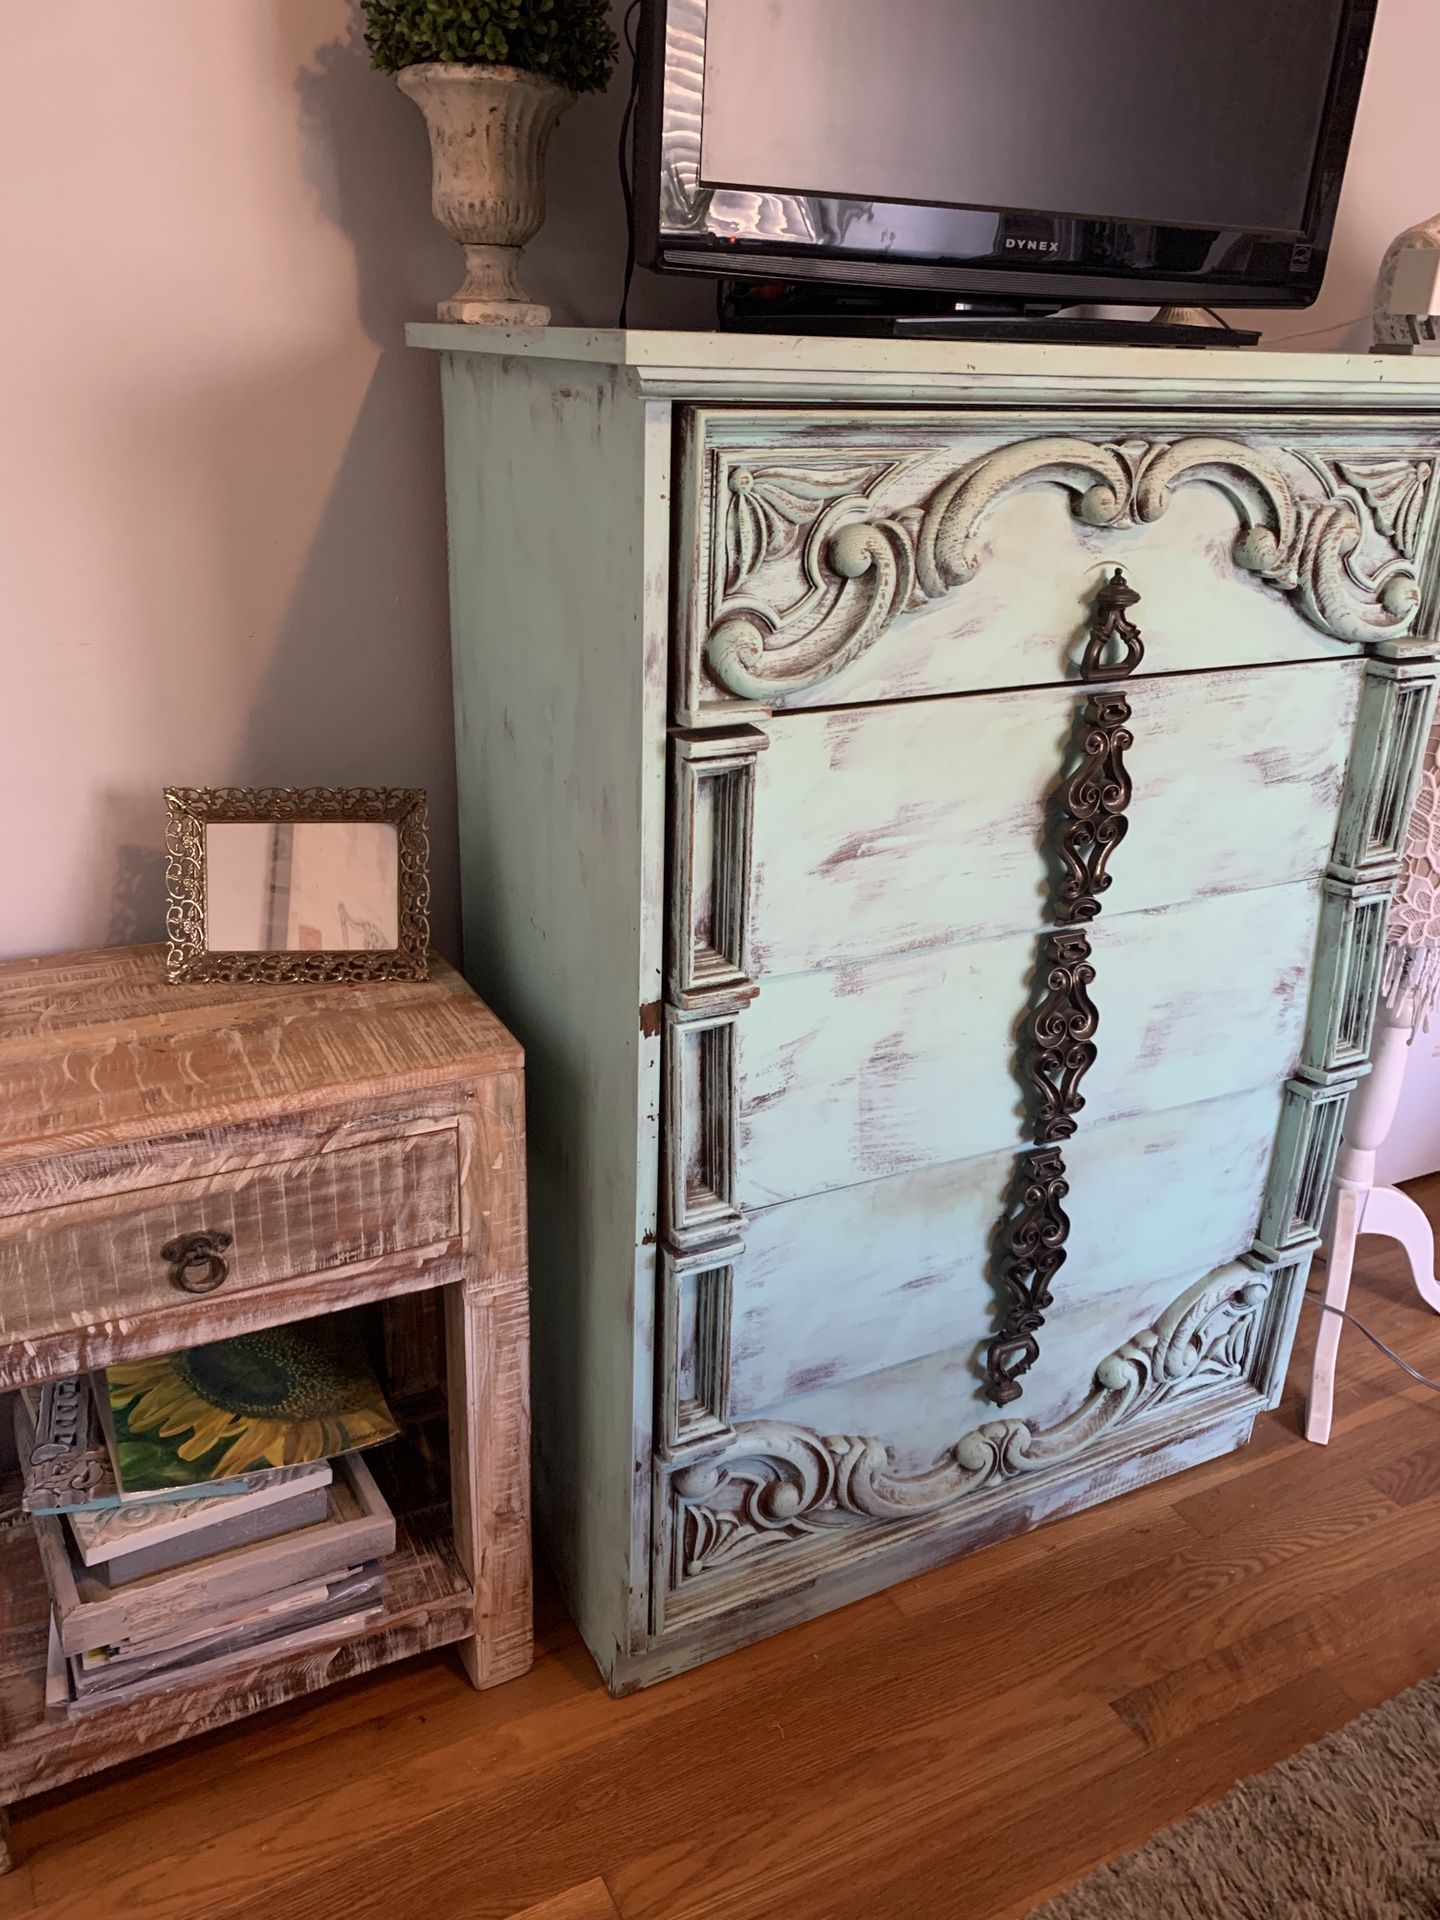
1348 1829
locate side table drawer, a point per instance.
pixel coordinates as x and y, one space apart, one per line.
139 1252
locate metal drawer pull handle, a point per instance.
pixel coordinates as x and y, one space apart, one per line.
196 1261
1057 1047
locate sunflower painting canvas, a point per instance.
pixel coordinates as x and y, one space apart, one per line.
275 1398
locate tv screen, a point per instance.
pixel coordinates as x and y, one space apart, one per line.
1196 113
1175 149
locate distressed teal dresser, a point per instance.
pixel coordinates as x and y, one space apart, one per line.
929 813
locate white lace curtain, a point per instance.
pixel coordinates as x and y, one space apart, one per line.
1411 982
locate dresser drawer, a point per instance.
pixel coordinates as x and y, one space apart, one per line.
853 1283
839 559
895 865
69 1267
830 1078
928 822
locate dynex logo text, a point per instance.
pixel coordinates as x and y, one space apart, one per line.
1013 245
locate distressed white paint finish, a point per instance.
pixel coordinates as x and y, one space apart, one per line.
853 1101
941 588
1391 733
71 1266
850 1283
701 1625
923 822
132 1111
923 1406
906 1062
761 367
559 538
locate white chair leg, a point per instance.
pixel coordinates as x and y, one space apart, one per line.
1346 1210
1398 1217
1358 1206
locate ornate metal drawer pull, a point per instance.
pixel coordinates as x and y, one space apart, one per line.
1058 1038
1093 821
1109 627
1033 1252
197 1263
1060 1035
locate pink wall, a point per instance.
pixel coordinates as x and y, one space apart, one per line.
221 507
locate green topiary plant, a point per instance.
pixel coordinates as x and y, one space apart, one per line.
567 40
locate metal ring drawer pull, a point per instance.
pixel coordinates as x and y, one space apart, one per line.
196 1261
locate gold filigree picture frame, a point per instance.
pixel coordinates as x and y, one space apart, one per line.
190 918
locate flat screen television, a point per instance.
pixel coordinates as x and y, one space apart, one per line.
1041 152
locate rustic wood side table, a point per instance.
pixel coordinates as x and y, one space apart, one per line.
357 1143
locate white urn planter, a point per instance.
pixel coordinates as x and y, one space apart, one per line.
489 130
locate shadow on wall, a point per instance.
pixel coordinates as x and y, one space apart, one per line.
137 900
286 545
366 159
577 262
367 632
355 689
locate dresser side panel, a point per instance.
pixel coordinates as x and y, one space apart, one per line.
557 483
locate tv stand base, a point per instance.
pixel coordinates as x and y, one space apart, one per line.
766 307
1063 329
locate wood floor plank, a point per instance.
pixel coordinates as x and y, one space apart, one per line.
1411 1479
1069 1835
1052 1559
1105 1674
811 1842
1246 1669
590 1902
469 1786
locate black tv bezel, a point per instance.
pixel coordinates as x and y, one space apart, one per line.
1100 261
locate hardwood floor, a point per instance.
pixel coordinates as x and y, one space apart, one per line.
957 1748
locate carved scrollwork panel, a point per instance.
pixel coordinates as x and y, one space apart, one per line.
768 510
777 1483
1395 490
1097 478
864 567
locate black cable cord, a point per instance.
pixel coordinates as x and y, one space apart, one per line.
627 184
1219 318
1375 1341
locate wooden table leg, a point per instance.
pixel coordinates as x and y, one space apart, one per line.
6 1861
487 1344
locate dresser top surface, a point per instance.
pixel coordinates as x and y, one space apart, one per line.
671 360
98 1046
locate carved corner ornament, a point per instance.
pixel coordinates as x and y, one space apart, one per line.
776 1483
862 570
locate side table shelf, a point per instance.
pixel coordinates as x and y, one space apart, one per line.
428 1603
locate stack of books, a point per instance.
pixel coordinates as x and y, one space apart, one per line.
202 1511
